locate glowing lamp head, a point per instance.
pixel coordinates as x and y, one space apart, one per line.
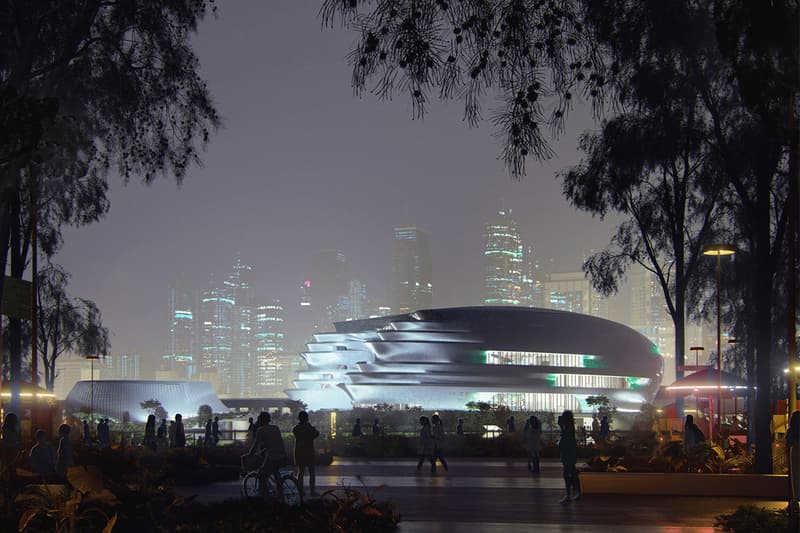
719 249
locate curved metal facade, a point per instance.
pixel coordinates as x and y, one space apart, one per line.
113 398
526 358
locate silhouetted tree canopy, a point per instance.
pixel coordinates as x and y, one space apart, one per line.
89 86
534 57
66 324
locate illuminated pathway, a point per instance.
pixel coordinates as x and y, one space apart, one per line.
495 495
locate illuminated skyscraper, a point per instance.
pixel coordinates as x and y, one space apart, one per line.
270 343
239 286
649 316
573 292
216 364
182 338
411 270
505 281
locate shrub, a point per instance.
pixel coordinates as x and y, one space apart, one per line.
753 519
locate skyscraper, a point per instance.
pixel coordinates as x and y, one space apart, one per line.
650 317
217 314
270 339
239 286
182 336
505 281
411 270
573 292
328 285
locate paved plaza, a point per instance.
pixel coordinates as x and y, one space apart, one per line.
496 495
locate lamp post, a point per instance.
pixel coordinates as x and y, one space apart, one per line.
696 350
719 250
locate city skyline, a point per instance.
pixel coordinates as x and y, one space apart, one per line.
283 179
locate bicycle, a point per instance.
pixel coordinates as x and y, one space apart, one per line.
290 492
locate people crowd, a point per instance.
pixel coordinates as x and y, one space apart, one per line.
50 458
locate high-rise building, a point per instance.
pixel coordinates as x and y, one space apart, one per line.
239 286
505 282
270 344
411 270
181 353
122 366
217 314
329 284
650 317
573 292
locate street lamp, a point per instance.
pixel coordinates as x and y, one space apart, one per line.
719 250
696 350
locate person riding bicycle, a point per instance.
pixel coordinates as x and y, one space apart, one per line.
269 443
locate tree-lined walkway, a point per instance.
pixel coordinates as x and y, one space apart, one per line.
501 495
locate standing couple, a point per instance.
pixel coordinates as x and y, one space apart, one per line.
431 442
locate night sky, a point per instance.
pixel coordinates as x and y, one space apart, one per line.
302 165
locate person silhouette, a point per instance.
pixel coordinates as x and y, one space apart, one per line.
426 444
692 435
460 427
64 453
437 429
533 442
511 426
568 453
180 433
357 428
150 432
42 457
376 427
304 435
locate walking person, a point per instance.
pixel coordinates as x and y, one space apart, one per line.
437 428
426 444
533 442
103 434
64 453
251 432
180 433
568 452
215 430
304 435
208 440
87 434
460 427
150 432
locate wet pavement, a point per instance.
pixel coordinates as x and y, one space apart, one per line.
493 496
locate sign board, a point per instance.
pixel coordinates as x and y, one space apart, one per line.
17 298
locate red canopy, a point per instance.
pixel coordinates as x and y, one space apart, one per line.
705 383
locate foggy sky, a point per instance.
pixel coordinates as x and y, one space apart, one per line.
300 166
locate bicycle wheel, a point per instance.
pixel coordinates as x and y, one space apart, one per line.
250 485
291 491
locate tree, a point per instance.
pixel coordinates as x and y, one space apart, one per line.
651 163
534 56
738 140
204 412
65 324
107 85
535 51
152 406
